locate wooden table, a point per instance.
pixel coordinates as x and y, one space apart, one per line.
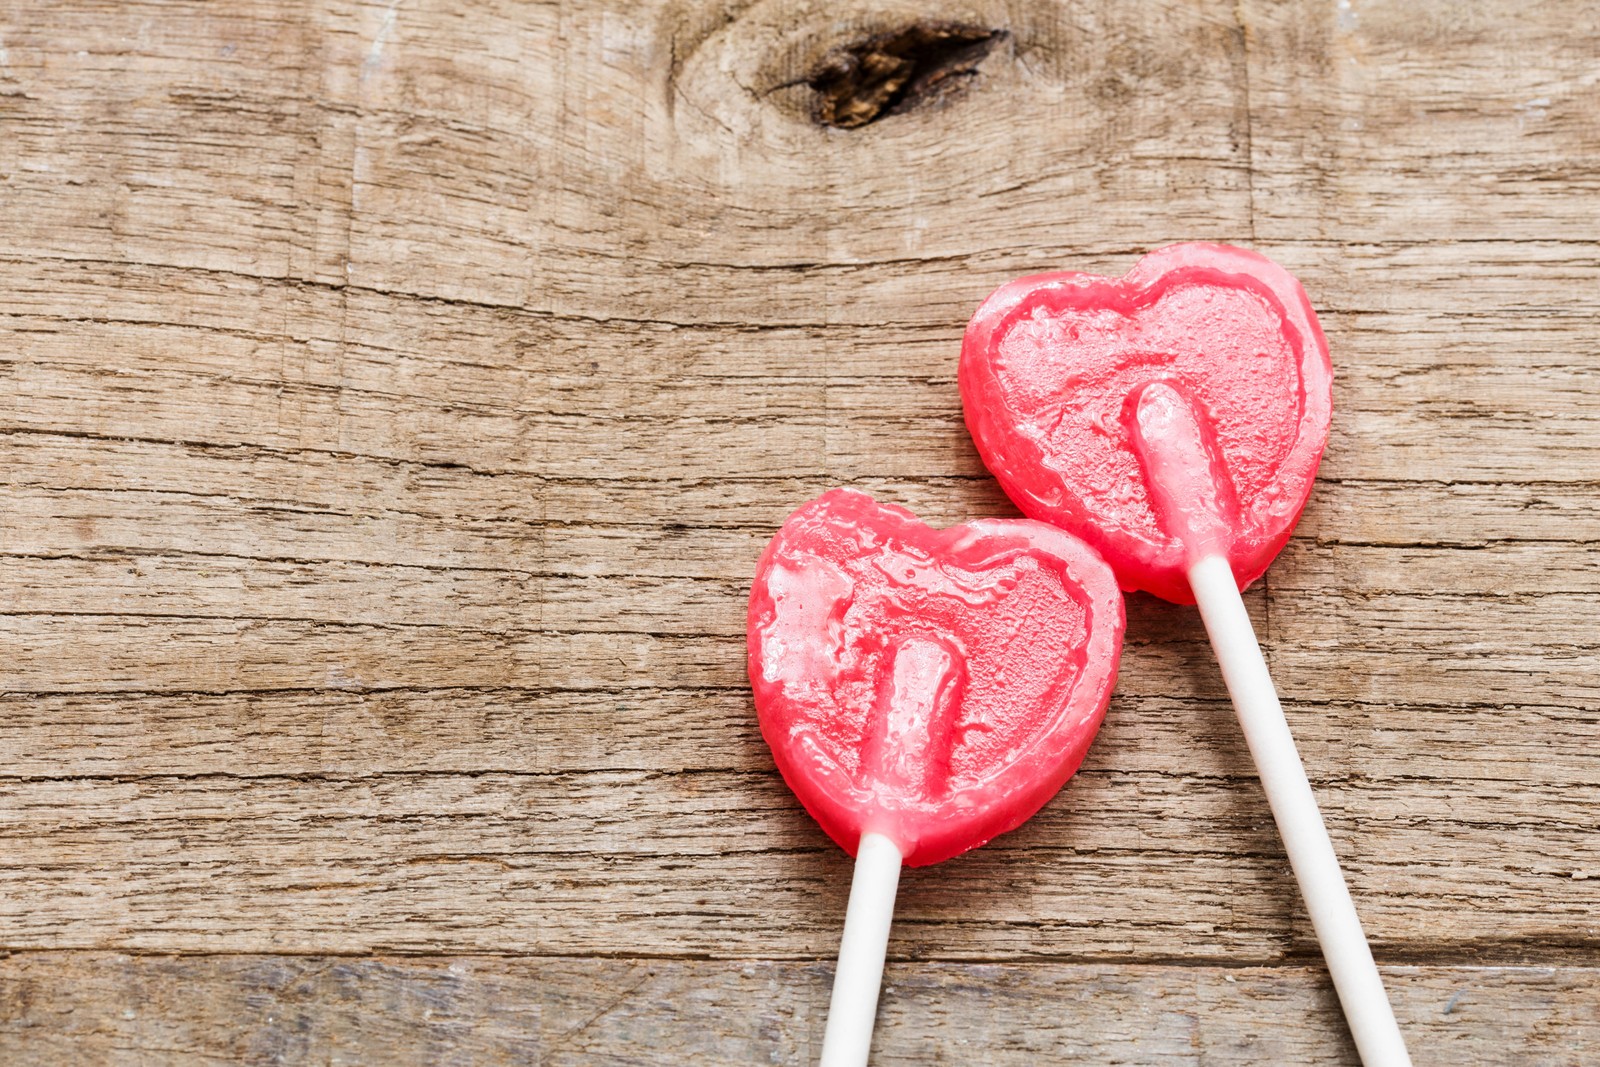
396 398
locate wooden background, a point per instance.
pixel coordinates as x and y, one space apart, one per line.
394 398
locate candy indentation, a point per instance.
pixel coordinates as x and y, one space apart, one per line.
934 686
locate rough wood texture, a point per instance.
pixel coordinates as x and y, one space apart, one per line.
394 398
103 1008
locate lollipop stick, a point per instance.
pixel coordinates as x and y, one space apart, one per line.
854 1006
1189 494
1283 776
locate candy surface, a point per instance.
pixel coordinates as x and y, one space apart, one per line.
1055 369
936 686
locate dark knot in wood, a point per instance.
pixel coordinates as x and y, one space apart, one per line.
893 72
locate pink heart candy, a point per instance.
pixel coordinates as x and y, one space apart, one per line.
1052 370
935 686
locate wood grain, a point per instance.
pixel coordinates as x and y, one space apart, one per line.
104 1008
394 398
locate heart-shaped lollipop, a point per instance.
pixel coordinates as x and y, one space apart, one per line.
922 690
933 686
1174 418
1053 367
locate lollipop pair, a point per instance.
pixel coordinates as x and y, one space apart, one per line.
925 690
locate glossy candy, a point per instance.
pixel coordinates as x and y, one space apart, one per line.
1054 371
936 686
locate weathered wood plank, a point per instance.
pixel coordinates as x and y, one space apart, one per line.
688 580
359 732
1395 123
394 403
260 488
651 529
98 1008
1386 652
1417 405
1123 862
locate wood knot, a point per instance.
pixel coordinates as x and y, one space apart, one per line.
889 73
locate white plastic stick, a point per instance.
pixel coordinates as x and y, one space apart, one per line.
1283 776
854 1006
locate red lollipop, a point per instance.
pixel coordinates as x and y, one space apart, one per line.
935 686
923 691
1174 418
1052 368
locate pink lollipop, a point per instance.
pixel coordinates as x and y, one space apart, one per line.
923 691
1053 368
1174 418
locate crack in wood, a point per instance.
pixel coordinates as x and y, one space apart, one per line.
890 73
